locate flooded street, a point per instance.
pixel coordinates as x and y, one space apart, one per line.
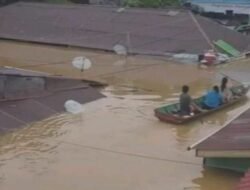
117 143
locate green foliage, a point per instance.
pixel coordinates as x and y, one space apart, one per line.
151 3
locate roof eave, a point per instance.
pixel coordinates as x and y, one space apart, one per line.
223 153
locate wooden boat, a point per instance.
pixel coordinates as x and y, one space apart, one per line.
169 113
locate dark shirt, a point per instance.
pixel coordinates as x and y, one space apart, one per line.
185 101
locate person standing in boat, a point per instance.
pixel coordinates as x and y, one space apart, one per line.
226 92
212 99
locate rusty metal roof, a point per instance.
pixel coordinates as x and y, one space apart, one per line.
235 136
28 96
146 31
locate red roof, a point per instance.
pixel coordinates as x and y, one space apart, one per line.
244 182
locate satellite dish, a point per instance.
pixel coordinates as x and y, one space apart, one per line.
73 107
81 63
120 49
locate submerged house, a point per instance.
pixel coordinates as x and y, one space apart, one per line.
228 148
28 96
143 31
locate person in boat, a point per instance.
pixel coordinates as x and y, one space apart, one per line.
226 92
187 106
212 99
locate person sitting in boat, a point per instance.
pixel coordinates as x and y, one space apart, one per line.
212 99
187 106
226 92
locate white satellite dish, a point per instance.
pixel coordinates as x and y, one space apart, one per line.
120 49
81 63
73 107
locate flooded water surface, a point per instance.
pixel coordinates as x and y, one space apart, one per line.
116 143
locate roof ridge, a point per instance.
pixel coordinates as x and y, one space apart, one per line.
203 33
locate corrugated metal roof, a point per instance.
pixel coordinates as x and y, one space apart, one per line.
146 31
24 102
233 137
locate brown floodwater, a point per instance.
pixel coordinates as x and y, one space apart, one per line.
116 143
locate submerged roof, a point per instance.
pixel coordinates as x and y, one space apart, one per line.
147 31
27 96
233 140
